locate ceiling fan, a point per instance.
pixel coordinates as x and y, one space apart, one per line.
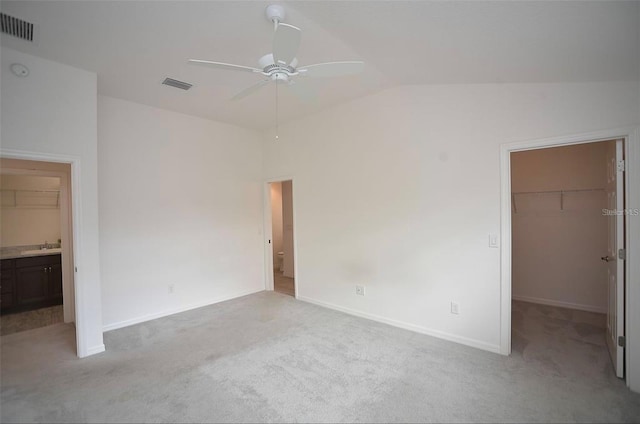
281 66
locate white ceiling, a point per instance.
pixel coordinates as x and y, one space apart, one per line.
133 46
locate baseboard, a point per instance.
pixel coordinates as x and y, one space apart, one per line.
149 317
406 326
560 304
94 350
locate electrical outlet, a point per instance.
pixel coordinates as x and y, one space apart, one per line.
360 290
171 287
455 308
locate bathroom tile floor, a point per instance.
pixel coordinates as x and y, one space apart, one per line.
282 284
22 321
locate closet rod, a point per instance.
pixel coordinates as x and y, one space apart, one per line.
558 191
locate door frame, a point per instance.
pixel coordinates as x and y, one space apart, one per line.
75 229
631 138
268 233
66 231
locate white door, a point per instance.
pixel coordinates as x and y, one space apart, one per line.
615 265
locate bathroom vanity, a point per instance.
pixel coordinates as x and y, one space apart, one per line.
30 282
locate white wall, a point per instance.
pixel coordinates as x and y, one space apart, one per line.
556 248
181 205
276 220
53 112
398 191
28 225
287 229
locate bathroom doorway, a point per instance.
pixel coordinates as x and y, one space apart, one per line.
280 239
37 277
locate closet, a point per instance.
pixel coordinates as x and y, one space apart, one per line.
559 228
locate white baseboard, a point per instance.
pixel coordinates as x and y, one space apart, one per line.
411 327
149 317
94 350
560 304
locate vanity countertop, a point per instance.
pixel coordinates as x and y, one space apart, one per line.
27 251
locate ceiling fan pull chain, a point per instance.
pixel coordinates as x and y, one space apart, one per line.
277 110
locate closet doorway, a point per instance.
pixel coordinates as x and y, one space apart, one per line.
567 277
280 256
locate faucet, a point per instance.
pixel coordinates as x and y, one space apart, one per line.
45 246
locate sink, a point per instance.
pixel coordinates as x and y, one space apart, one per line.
35 252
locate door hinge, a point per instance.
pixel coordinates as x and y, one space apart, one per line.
622 254
621 165
621 341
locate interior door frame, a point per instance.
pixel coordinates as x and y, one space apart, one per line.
268 234
66 231
631 138
76 229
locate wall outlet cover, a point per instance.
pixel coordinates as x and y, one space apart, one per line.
360 290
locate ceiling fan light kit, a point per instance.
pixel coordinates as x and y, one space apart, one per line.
280 66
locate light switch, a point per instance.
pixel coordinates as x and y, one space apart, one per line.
493 240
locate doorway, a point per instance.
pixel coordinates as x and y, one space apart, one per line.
36 245
281 256
615 296
560 252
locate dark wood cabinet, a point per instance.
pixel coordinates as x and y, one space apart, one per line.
31 283
55 281
7 281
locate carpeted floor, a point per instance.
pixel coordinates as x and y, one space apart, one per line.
267 357
28 320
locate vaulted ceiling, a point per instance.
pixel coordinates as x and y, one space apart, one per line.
134 45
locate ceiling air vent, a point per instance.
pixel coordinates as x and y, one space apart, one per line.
16 27
177 84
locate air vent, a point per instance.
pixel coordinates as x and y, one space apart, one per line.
177 84
16 27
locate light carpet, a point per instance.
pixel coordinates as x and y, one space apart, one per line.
269 358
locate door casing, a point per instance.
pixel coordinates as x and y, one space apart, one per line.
631 138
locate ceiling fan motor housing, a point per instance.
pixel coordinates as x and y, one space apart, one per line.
268 66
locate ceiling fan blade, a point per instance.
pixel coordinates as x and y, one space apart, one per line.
226 66
249 90
302 91
332 69
286 41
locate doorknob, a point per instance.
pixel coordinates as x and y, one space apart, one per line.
606 258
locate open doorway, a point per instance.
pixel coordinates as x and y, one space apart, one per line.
35 245
567 280
281 265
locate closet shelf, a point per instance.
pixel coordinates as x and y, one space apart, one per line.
30 199
560 192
